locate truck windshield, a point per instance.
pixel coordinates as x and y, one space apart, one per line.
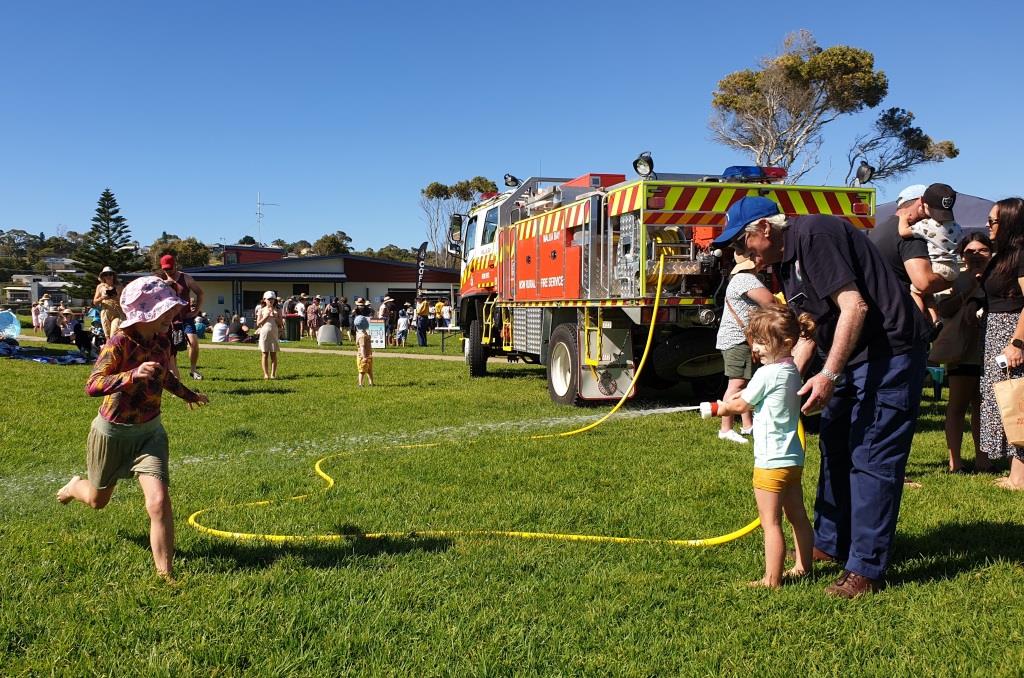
490 226
469 237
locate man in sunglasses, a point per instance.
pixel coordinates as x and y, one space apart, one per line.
872 339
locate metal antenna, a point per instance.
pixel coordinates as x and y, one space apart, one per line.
259 215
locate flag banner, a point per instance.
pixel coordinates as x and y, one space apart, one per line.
421 264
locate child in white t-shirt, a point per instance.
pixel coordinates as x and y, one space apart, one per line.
778 452
402 330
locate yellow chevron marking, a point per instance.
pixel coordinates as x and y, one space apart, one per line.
723 200
798 202
819 199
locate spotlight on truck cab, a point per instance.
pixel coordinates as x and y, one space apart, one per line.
644 164
511 181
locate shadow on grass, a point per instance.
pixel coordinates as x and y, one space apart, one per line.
521 373
953 549
257 378
257 391
237 556
48 351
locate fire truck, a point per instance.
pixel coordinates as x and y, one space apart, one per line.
563 272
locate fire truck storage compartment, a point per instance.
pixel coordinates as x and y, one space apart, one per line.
526 329
592 240
552 266
629 251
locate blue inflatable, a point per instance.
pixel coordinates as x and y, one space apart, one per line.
10 326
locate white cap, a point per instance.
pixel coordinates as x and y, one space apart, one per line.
910 193
269 294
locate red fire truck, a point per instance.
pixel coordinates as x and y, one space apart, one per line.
563 272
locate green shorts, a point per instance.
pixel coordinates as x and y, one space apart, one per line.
739 364
116 451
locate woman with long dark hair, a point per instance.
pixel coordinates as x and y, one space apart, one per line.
966 299
1003 282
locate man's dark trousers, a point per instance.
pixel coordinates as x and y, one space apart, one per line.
866 433
421 330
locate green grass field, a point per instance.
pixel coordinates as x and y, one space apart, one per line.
79 595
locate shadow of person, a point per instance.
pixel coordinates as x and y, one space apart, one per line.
952 549
224 556
257 391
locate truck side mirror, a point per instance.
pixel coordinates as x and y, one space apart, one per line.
455 228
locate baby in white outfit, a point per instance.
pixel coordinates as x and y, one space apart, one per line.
942 241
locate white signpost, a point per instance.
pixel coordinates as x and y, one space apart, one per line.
378 339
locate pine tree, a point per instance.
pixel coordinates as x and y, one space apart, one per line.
108 243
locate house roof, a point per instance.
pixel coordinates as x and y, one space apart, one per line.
318 257
327 268
267 275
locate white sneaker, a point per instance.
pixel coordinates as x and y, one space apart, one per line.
747 431
731 435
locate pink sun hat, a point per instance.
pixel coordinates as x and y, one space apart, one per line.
146 299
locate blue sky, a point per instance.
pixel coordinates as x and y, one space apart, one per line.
341 112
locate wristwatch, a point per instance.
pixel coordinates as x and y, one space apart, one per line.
829 374
1017 343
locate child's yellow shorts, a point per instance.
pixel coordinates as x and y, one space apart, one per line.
777 479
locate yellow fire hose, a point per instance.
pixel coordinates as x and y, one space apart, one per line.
193 519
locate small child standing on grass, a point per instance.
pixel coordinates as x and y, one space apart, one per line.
127 437
364 349
778 453
402 335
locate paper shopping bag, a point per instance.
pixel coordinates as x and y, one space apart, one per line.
1010 398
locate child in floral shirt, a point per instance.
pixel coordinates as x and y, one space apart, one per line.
127 438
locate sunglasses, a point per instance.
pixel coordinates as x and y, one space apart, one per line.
991 221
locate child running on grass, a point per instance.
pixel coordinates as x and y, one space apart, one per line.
364 349
778 454
127 437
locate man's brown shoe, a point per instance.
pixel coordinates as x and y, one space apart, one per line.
819 556
853 585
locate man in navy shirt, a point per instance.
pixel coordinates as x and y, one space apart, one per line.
872 338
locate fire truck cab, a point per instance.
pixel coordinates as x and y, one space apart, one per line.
563 272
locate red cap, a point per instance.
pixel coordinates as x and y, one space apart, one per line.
167 261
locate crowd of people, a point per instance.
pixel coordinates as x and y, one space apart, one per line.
882 306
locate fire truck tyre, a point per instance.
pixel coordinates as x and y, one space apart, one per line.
563 365
476 353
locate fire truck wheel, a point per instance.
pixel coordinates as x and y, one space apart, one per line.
476 353
563 365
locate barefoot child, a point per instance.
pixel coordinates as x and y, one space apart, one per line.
778 454
364 349
127 437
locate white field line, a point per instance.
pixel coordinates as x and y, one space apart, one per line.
16 485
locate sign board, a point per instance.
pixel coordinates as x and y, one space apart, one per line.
378 338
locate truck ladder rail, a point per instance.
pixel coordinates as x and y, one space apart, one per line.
488 321
587 359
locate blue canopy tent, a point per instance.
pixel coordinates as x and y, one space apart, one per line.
970 211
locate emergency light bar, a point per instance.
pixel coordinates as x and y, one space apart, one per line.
753 173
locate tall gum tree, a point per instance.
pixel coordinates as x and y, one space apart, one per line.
775 114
